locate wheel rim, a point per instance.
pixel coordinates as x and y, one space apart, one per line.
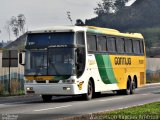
133 86
128 90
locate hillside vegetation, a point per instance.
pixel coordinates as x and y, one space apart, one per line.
143 16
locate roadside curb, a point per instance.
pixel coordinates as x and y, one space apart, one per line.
151 84
19 96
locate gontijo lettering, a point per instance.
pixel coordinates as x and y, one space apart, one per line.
122 61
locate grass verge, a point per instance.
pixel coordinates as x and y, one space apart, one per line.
144 112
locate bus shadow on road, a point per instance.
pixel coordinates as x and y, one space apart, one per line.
63 99
80 98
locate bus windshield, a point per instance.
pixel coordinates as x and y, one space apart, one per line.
60 61
54 61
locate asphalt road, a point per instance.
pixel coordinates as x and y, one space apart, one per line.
32 107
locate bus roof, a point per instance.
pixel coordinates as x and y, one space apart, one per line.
91 29
58 29
113 32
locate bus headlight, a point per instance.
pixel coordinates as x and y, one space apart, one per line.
66 88
29 88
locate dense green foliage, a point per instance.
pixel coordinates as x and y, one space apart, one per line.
143 16
152 39
108 7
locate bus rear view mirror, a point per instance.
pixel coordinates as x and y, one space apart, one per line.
22 58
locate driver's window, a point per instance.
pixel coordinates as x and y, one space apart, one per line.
80 65
80 61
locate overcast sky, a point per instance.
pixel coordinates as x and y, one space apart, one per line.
42 13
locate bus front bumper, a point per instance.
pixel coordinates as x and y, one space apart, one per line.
52 89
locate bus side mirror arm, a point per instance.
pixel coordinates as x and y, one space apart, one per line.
21 58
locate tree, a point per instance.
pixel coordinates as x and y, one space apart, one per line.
110 6
21 22
106 7
69 17
119 4
17 24
14 26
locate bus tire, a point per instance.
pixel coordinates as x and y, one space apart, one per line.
89 94
127 91
133 87
47 98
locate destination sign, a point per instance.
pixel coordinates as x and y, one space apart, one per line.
58 46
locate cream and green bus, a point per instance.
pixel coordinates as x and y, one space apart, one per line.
83 60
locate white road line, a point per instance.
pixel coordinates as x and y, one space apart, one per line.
111 99
52 108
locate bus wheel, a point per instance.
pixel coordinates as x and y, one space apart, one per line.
47 98
133 87
126 91
89 94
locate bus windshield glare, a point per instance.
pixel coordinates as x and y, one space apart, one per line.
54 61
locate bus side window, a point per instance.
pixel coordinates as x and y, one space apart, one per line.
128 46
92 43
111 44
120 45
136 46
142 46
102 45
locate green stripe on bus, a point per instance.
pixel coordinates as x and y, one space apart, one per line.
105 69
